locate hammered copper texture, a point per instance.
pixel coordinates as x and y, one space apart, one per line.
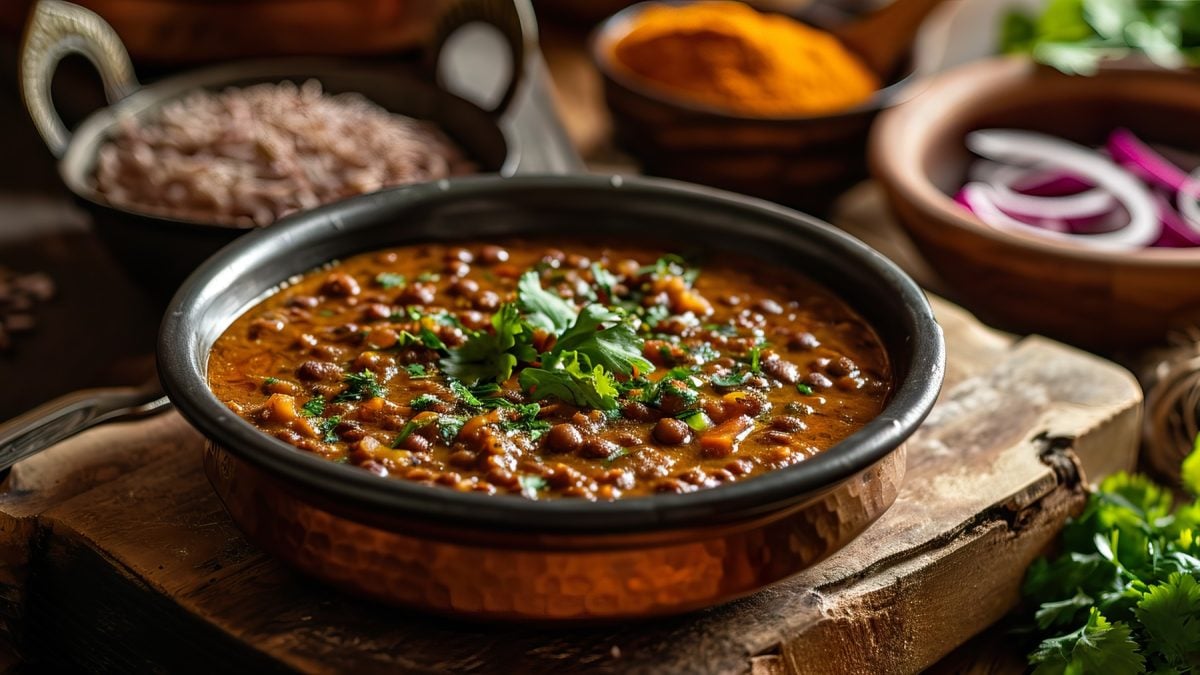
549 577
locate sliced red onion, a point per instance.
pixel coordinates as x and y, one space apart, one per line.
1087 204
1186 198
1141 159
1041 151
1176 233
980 199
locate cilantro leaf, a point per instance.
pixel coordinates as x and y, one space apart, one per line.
1062 612
390 280
1170 614
530 485
542 308
492 355
326 428
572 381
1097 647
424 401
616 348
416 371
733 378
448 427
360 386
315 407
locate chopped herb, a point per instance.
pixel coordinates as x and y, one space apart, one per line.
270 380
424 401
571 380
416 371
327 427
448 427
411 426
428 276
315 407
755 355
604 281
734 378
534 428
654 315
431 340
360 386
530 485
542 308
325 313
390 279
672 265
804 389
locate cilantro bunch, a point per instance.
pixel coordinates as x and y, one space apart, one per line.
582 350
1075 35
1124 596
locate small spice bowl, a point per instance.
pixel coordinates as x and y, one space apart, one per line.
801 161
1022 281
159 250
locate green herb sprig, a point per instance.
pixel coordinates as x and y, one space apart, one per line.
1075 36
1124 595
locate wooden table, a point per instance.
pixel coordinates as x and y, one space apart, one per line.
116 555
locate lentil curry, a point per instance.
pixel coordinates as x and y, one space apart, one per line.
592 370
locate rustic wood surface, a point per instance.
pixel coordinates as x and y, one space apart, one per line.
119 557
116 556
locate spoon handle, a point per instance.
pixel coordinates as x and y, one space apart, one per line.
59 419
883 38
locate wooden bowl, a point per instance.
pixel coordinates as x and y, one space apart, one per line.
804 161
1020 281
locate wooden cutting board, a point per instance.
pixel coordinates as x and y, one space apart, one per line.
117 556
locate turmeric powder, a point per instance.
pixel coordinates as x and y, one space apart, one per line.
730 56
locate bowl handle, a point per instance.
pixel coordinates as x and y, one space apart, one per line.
516 23
56 29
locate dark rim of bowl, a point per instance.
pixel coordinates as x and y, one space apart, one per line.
884 97
182 359
94 130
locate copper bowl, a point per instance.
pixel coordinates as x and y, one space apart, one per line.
801 161
160 251
1020 281
504 556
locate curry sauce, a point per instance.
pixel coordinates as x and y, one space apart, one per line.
591 370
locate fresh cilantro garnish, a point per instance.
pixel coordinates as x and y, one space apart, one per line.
591 347
428 276
1075 36
270 380
416 371
530 485
327 426
734 378
424 401
360 386
653 315
804 389
1097 647
448 427
754 356
571 380
604 281
431 340
704 352
542 308
1123 597
390 279
315 407
615 455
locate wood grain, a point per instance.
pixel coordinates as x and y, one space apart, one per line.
131 564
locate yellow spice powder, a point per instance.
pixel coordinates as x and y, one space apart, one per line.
730 56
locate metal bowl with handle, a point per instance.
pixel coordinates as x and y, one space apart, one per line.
160 251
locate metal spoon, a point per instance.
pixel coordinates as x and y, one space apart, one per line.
33 431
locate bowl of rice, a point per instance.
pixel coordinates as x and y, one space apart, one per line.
173 171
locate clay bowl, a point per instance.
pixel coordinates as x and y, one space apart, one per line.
1020 281
805 162
159 251
504 557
